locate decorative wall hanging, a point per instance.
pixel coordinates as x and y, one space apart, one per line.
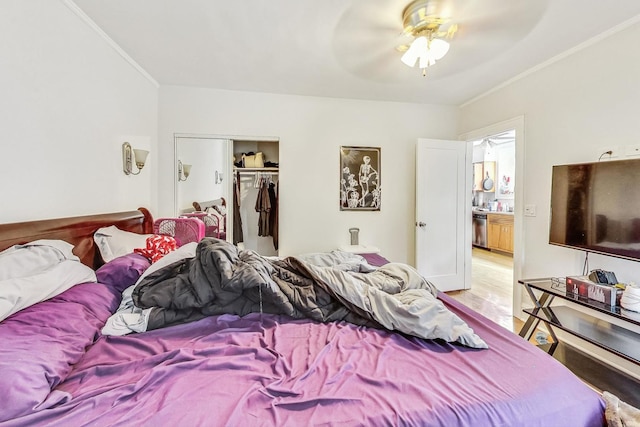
360 178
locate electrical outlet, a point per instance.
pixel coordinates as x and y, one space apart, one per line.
632 150
603 152
529 210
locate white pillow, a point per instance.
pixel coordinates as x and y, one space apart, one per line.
17 293
113 242
30 258
184 251
346 261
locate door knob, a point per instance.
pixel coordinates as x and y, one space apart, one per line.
421 224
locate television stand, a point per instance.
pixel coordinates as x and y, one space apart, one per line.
619 340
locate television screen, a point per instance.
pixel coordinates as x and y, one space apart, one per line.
596 207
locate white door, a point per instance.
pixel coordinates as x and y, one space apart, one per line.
443 212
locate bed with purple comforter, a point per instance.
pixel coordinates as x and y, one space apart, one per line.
57 369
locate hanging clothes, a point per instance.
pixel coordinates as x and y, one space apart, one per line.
263 207
237 220
273 216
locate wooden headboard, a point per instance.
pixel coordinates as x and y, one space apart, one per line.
77 230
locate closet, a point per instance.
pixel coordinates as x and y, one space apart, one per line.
256 188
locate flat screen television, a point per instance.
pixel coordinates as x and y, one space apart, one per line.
595 207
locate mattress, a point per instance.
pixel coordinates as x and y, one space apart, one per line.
57 369
271 370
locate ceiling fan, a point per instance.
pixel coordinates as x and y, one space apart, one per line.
424 21
371 36
493 140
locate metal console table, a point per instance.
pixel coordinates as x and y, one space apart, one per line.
610 336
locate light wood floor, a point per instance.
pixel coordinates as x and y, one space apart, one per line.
491 292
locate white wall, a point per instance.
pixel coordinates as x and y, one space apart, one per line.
572 109
310 131
69 101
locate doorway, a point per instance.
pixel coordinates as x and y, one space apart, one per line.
499 267
491 291
256 184
492 201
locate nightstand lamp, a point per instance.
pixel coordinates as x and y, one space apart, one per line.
355 246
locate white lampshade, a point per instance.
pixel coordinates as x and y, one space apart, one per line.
426 60
140 157
427 52
415 51
438 48
186 170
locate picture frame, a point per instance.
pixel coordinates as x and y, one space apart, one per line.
360 185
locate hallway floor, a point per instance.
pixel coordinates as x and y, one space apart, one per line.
491 292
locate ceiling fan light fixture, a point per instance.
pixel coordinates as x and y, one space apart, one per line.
415 51
426 61
422 20
438 48
409 58
487 144
424 51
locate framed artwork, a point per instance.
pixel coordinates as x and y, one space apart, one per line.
360 178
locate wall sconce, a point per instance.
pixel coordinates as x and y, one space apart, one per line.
183 171
129 156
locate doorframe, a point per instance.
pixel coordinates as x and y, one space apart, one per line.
517 123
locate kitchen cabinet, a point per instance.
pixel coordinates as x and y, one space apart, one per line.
500 232
484 176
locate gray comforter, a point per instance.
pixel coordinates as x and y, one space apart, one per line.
220 278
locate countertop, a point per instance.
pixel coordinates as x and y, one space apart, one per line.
487 211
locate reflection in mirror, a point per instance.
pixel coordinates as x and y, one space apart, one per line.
201 163
184 170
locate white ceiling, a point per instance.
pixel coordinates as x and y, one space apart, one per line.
346 48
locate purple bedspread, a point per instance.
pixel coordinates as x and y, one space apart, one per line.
268 370
40 344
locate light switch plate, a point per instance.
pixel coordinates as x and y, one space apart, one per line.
529 210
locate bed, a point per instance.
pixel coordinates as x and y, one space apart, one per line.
58 369
213 214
